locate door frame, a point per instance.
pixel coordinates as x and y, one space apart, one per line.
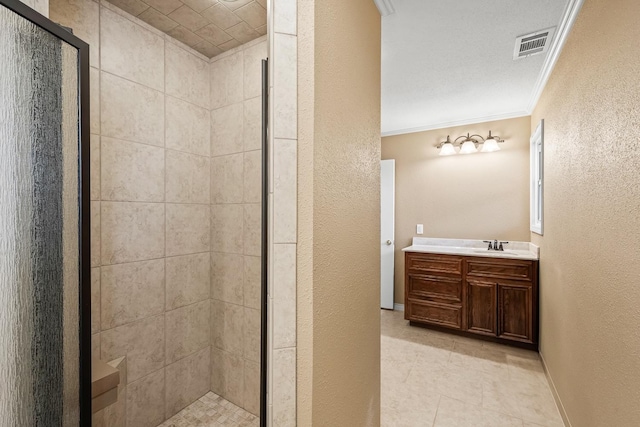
84 226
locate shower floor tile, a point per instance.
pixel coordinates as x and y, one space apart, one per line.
212 410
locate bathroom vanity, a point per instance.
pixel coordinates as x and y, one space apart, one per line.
462 286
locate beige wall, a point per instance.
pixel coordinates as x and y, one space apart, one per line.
339 113
236 173
479 196
591 246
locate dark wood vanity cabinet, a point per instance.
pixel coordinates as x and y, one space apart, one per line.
496 298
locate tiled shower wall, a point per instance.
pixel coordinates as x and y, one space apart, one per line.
157 255
235 223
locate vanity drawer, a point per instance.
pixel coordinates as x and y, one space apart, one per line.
430 263
438 314
448 289
500 268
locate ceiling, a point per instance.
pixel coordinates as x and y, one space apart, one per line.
448 62
208 26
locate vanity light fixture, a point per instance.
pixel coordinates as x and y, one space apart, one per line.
469 144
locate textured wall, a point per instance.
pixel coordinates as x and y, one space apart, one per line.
478 196
591 247
342 152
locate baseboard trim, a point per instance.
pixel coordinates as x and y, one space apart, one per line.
398 307
554 392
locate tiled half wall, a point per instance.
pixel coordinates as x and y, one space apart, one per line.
175 207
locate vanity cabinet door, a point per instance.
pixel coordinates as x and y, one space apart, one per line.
515 305
482 307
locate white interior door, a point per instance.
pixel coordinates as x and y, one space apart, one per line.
387 225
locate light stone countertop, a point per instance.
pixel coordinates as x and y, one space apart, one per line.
512 250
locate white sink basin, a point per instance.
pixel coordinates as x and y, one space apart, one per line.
488 252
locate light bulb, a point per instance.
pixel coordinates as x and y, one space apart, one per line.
447 149
468 147
490 145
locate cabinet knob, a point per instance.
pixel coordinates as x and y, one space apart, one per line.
389 242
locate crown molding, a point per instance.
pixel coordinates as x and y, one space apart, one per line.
443 125
385 7
566 23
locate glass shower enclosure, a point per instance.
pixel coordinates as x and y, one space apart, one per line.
45 362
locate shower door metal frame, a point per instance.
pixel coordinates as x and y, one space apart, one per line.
84 226
264 259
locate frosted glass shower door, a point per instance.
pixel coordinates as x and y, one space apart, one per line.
43 357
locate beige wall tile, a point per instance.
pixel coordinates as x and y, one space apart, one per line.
227 81
207 49
187 380
227 222
131 111
187 76
188 229
227 277
252 229
165 6
253 176
95 167
131 232
187 178
214 35
227 181
253 14
95 300
285 208
133 7
242 32
95 346
285 102
130 51
227 326
227 376
131 172
251 335
187 127
222 17
252 387
284 296
83 17
229 45
285 17
145 401
187 330
94 101
95 234
227 130
252 57
284 387
158 20
252 282
199 5
188 18
185 36
142 342
131 292
115 414
187 280
237 4
253 124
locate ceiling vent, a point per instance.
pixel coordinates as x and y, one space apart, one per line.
534 43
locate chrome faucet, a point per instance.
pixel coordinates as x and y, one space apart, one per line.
495 245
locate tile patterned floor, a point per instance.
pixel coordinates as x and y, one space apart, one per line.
434 379
212 410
